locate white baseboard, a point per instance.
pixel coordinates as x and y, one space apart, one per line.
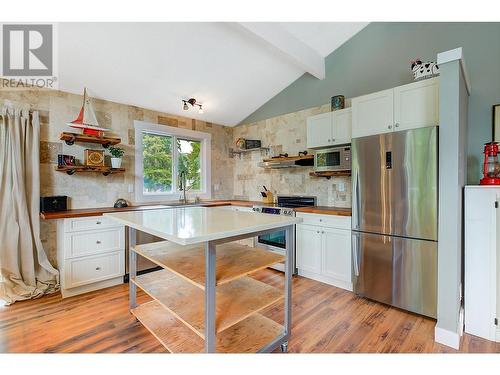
448 338
498 335
327 280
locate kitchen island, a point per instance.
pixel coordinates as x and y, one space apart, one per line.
203 299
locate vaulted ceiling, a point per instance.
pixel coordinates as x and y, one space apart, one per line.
231 68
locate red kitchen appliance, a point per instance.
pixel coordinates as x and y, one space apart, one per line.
491 168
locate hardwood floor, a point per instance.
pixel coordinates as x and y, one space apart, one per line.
325 319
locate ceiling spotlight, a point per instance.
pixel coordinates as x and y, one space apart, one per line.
193 103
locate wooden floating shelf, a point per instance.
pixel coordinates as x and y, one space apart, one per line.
236 300
330 174
71 138
232 260
83 168
247 336
294 158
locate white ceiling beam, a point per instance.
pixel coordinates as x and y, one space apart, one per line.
295 50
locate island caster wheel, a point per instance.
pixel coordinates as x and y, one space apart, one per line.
106 173
284 347
105 145
71 172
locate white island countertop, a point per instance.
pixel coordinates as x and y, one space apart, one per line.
190 225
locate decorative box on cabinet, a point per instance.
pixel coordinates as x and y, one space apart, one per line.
90 254
482 261
329 129
411 106
324 249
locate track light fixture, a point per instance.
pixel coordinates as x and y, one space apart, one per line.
193 103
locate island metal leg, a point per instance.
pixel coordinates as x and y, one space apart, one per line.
289 264
210 344
132 268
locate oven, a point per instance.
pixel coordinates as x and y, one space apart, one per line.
276 241
333 159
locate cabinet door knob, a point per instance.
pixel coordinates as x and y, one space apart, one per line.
333 139
396 124
389 127
317 231
329 140
98 242
98 268
98 222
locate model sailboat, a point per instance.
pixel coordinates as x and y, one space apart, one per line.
86 119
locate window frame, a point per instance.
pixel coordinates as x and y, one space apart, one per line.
205 192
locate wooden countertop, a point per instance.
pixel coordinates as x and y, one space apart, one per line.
325 210
99 211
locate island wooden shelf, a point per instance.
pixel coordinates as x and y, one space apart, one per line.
232 260
330 174
236 300
72 169
247 336
71 138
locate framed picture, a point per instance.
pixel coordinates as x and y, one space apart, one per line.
496 123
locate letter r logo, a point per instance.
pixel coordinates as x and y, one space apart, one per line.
27 50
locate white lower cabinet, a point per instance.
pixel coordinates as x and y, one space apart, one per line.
324 249
90 254
309 246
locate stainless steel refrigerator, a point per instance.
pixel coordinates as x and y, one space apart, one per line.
394 218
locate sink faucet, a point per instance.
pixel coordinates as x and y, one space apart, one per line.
182 186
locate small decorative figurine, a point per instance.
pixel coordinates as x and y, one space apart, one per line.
338 102
423 70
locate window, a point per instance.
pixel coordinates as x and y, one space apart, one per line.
162 153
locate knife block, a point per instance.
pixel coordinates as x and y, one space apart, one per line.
268 198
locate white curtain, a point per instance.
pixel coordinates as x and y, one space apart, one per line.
25 271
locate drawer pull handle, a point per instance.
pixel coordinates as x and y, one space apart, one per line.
98 242
98 222
320 219
98 268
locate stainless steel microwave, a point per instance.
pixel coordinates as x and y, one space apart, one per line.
333 159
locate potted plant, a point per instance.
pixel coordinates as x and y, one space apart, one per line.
116 156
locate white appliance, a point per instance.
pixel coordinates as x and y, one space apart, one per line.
482 261
276 241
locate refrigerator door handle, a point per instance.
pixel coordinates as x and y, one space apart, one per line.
355 202
356 253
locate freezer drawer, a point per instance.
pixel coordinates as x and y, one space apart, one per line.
397 271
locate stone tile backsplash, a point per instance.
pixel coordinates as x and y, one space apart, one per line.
285 134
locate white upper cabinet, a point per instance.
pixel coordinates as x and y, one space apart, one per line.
342 126
411 106
329 129
416 105
373 113
319 130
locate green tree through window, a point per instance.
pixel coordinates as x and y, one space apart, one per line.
158 159
189 160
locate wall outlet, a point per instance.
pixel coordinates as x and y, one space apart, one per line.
130 188
341 186
216 187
